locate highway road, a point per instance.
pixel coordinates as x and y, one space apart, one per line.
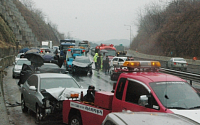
12 95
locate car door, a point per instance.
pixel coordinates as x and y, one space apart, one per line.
32 81
25 92
134 90
115 61
120 62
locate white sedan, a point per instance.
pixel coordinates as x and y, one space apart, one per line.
18 66
177 63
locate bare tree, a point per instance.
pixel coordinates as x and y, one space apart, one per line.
28 4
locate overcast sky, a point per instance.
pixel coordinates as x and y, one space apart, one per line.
94 20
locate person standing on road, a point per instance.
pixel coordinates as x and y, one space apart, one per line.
104 59
106 65
95 59
99 62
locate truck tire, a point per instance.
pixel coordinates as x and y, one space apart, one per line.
75 120
23 106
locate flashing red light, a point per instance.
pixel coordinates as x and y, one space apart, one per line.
69 50
83 51
111 45
115 70
41 51
174 63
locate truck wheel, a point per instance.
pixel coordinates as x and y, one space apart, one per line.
75 120
23 106
39 115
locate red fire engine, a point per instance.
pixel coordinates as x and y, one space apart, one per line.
141 87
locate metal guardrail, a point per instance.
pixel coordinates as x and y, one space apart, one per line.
184 75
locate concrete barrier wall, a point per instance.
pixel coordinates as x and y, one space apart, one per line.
5 62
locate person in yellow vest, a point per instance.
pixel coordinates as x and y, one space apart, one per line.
95 59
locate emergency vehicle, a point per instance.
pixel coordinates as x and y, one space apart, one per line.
140 88
109 50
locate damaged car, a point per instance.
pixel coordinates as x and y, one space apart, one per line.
44 93
82 64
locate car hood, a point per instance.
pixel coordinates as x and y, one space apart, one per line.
18 66
62 93
80 64
191 114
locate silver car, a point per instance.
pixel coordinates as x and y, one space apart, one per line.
44 93
177 63
146 118
18 66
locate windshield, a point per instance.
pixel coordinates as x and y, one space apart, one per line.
21 62
84 45
176 95
179 59
109 52
47 83
18 56
67 46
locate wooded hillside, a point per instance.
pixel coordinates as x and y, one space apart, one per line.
174 31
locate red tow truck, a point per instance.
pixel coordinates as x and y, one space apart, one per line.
140 88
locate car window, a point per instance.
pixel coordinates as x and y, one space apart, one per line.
21 62
47 83
115 59
121 60
179 59
77 51
134 91
120 88
33 81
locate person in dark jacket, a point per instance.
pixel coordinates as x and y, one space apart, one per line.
99 62
106 65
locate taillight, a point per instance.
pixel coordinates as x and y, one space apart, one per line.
174 63
115 70
70 66
83 51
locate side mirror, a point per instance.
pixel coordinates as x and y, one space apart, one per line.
32 88
143 100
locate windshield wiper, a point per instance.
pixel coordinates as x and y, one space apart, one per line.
176 108
196 107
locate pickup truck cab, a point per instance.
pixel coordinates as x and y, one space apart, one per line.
140 88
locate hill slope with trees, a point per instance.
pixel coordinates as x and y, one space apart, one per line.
174 31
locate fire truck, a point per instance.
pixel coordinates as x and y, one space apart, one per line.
140 88
109 50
